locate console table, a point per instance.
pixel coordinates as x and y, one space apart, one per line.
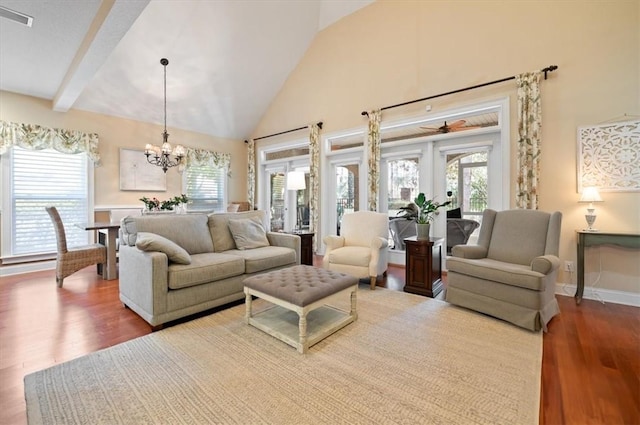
586 239
423 267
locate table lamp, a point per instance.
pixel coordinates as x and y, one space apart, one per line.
590 195
295 180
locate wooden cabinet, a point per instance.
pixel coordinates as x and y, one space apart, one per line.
306 247
423 273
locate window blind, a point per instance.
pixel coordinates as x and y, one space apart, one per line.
206 188
41 178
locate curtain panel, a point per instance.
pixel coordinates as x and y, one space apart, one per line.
251 173
314 182
36 137
529 138
373 180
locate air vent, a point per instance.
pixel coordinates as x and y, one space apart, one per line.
18 17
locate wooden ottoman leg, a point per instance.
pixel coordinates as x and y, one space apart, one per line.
354 312
247 302
302 325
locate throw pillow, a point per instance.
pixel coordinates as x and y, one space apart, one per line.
248 233
153 242
454 213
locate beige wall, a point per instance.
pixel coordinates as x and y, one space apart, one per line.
396 51
116 133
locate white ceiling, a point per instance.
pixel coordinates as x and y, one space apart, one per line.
227 58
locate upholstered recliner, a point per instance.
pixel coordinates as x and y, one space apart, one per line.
511 273
361 248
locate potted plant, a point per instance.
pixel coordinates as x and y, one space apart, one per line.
422 211
165 206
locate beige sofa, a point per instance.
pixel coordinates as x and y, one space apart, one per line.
172 266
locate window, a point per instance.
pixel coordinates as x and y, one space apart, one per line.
277 201
206 187
402 185
467 182
36 179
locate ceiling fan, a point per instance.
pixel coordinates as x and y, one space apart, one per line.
448 128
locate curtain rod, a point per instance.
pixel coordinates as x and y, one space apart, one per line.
285 132
550 68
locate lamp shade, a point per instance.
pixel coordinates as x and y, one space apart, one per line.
590 194
295 180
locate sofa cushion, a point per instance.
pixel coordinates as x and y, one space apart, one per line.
351 255
498 271
248 233
190 231
265 258
518 236
152 242
219 228
204 268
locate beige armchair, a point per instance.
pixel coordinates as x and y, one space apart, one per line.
511 273
361 249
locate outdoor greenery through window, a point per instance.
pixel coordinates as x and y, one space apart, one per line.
402 183
467 182
277 201
206 188
346 190
41 178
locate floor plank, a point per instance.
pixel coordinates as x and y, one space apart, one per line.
590 368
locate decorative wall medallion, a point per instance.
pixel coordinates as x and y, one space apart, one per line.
609 157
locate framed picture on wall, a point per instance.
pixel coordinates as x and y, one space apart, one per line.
137 174
609 157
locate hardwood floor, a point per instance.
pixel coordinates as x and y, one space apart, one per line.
590 369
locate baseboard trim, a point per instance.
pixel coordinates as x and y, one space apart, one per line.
600 294
13 269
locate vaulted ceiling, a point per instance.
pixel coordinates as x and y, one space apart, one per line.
227 59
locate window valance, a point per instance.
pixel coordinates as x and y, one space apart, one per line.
202 157
36 137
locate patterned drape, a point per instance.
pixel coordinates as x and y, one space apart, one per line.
373 180
36 137
314 181
202 157
529 134
251 173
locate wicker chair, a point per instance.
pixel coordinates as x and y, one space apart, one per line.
70 260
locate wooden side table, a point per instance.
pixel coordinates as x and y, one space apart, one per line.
306 247
423 267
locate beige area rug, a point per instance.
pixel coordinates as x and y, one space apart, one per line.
406 360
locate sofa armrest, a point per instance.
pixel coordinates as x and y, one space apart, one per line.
545 264
285 240
378 243
379 256
333 242
469 251
143 281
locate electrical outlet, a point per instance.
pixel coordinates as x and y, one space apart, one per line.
568 266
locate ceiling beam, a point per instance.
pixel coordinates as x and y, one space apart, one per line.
111 23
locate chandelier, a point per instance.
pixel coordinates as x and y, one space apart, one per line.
161 155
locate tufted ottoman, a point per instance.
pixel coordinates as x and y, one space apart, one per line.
300 315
